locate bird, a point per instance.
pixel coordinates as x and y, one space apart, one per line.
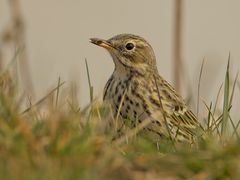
137 93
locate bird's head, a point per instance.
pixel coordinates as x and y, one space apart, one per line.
130 52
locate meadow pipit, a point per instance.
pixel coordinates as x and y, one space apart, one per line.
138 93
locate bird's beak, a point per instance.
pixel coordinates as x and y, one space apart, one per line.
100 42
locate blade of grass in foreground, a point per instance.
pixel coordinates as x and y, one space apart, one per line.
199 83
58 89
233 89
89 82
43 99
217 98
226 100
234 128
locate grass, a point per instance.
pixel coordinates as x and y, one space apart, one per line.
56 139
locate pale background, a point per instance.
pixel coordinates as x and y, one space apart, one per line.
58 33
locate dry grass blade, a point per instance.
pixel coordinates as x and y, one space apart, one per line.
199 83
116 118
58 89
213 125
43 99
120 104
234 128
209 116
177 45
216 102
132 132
19 41
163 112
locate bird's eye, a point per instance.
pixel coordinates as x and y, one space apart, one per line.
129 46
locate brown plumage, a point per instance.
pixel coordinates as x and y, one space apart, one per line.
137 92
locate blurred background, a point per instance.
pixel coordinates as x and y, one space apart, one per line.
51 40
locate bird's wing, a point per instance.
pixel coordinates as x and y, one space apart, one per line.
179 117
186 121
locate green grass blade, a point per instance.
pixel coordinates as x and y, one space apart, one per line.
226 100
89 82
199 84
217 98
58 89
235 128
233 89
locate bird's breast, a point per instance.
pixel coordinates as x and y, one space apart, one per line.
123 96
